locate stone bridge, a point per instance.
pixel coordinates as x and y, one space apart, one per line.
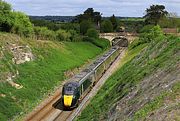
112 36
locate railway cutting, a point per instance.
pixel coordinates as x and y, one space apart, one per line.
71 98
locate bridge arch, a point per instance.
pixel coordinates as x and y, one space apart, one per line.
114 37
120 41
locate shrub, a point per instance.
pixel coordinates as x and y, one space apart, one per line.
62 35
22 25
74 36
88 39
92 33
135 44
102 43
44 33
15 22
77 38
146 29
152 34
5 19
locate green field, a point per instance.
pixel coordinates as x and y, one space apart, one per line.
41 76
140 62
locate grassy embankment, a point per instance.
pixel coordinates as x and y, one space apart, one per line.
140 62
38 77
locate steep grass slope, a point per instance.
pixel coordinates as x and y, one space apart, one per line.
147 87
34 79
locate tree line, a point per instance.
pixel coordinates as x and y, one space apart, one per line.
85 24
19 23
88 24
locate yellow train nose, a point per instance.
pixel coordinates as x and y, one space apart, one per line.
68 100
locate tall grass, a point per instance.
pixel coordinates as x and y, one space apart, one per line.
130 74
40 76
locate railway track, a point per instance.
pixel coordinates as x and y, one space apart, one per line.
52 110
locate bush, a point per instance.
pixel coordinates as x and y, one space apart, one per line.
88 39
92 33
15 22
6 21
102 43
146 29
135 44
22 25
170 22
74 36
152 34
43 33
62 35
77 38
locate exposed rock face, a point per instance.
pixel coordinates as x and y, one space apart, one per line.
145 92
21 54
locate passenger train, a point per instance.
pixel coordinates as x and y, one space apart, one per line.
78 86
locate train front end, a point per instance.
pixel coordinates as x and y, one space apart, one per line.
70 95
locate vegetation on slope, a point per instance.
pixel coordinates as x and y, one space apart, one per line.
140 88
40 76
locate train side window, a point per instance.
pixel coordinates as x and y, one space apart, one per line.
77 92
87 83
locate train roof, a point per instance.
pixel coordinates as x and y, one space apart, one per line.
71 83
83 75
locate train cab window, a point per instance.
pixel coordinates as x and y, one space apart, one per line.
70 88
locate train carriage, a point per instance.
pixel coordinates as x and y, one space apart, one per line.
78 86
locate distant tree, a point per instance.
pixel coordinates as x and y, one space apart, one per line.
90 15
154 14
71 26
92 33
106 26
97 18
84 26
114 21
44 23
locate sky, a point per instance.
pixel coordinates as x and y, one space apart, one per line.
123 8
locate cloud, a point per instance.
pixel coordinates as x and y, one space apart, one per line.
74 7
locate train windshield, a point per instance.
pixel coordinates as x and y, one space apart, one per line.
69 88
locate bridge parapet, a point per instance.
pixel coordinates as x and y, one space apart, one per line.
112 36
